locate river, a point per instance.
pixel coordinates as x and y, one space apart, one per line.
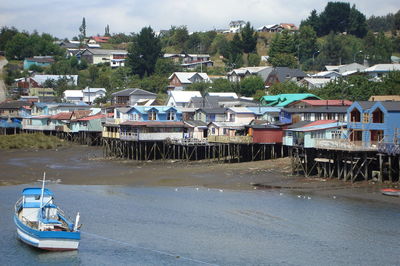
127 225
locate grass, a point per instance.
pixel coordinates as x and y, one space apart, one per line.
29 141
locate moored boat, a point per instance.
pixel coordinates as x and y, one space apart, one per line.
40 223
391 192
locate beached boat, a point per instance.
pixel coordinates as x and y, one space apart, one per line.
40 223
391 192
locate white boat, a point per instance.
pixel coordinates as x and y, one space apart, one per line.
40 223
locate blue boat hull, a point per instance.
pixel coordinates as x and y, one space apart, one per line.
48 240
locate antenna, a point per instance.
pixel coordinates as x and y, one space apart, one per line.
41 196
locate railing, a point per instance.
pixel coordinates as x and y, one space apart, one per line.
188 141
389 148
230 139
345 144
128 135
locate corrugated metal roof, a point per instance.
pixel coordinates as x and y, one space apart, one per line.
184 96
62 116
154 124
319 127
328 102
93 117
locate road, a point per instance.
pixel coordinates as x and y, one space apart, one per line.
3 62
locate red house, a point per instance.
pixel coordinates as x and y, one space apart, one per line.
266 133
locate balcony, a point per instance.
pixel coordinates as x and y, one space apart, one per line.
346 145
131 136
229 139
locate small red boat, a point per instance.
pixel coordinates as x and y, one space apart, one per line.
391 192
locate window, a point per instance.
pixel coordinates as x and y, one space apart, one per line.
366 118
152 115
307 117
317 116
225 130
171 115
213 130
336 134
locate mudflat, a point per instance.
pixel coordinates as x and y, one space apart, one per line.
82 165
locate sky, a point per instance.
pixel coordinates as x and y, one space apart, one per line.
63 18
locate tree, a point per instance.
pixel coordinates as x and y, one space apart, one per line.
221 85
254 60
332 50
179 36
6 34
381 23
283 60
307 43
335 17
248 38
82 30
397 20
144 52
312 21
286 87
16 48
250 85
377 49
107 31
357 23
165 66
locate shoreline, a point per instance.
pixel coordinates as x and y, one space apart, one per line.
82 165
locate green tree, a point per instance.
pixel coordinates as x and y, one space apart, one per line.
335 17
377 49
16 48
250 85
283 60
307 43
166 67
107 31
144 52
397 20
248 38
221 85
179 36
286 87
6 34
381 23
357 23
332 51
254 59
82 30
312 21
203 87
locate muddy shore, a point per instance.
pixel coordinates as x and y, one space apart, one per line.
81 165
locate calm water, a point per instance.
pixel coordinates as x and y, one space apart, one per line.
189 226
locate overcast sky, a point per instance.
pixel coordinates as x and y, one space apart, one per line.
63 18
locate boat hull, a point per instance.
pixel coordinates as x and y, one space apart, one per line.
47 240
391 192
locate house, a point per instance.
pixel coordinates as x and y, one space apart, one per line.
181 98
43 92
235 26
210 114
148 113
223 94
191 61
373 122
327 74
271 28
152 130
289 26
341 69
293 115
239 115
282 74
116 58
383 98
265 133
236 75
229 129
283 100
308 135
89 123
91 94
317 103
99 39
38 81
60 122
42 61
216 102
15 109
197 129
380 70
267 114
180 80
315 83
57 108
73 96
133 97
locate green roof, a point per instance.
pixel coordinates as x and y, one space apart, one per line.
282 100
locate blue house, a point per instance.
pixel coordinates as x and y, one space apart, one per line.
371 123
149 113
42 61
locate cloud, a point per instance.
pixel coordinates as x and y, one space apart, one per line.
63 18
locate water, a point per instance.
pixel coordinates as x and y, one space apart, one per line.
200 226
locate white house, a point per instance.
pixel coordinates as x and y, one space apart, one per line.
223 94
73 96
380 70
236 25
91 94
181 98
180 80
